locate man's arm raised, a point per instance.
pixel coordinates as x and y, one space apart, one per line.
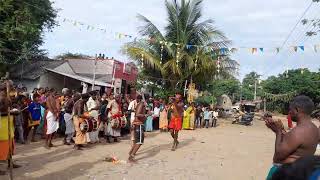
286 143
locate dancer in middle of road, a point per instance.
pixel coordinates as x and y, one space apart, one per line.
138 128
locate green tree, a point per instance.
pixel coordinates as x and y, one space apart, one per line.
230 87
248 86
180 61
69 55
282 88
22 25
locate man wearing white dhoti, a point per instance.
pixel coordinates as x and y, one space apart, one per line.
113 129
93 107
51 119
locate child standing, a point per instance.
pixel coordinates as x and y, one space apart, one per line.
206 116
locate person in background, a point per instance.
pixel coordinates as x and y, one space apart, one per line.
215 115
93 107
51 119
198 119
103 116
68 107
149 121
35 115
163 120
18 119
78 117
206 116
114 108
156 115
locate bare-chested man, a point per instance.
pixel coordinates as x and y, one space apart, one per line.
78 117
175 124
301 141
138 127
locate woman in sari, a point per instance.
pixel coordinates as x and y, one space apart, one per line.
188 118
163 125
149 122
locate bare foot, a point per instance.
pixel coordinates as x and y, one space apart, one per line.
131 159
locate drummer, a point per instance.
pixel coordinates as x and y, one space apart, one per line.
114 107
78 116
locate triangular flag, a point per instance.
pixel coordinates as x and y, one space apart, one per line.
75 23
233 49
261 49
278 50
253 50
64 20
88 27
302 48
315 48
295 48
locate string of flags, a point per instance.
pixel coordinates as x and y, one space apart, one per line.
89 27
220 51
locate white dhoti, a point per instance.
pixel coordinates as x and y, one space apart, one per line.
114 132
93 136
52 123
69 123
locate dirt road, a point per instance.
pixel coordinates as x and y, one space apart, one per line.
226 152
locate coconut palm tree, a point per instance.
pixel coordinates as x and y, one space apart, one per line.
185 50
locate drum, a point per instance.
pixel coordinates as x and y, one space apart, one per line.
123 121
115 123
89 125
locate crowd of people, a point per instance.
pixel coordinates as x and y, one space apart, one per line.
45 112
83 118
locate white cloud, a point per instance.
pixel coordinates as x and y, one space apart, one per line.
246 22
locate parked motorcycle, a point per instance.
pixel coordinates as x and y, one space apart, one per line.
245 119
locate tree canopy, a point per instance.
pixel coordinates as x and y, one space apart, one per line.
168 54
22 26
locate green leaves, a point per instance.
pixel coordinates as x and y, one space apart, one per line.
22 24
180 61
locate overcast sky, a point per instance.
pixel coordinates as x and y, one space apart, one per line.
248 23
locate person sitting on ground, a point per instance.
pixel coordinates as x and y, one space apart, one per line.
301 141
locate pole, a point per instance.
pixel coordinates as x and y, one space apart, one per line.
9 128
240 92
113 77
264 105
94 73
255 90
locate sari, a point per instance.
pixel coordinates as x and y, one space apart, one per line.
187 124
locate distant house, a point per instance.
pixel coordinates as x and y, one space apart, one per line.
78 74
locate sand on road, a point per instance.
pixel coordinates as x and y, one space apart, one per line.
225 152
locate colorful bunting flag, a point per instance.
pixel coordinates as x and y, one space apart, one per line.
261 49
278 50
302 48
315 48
253 50
295 48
